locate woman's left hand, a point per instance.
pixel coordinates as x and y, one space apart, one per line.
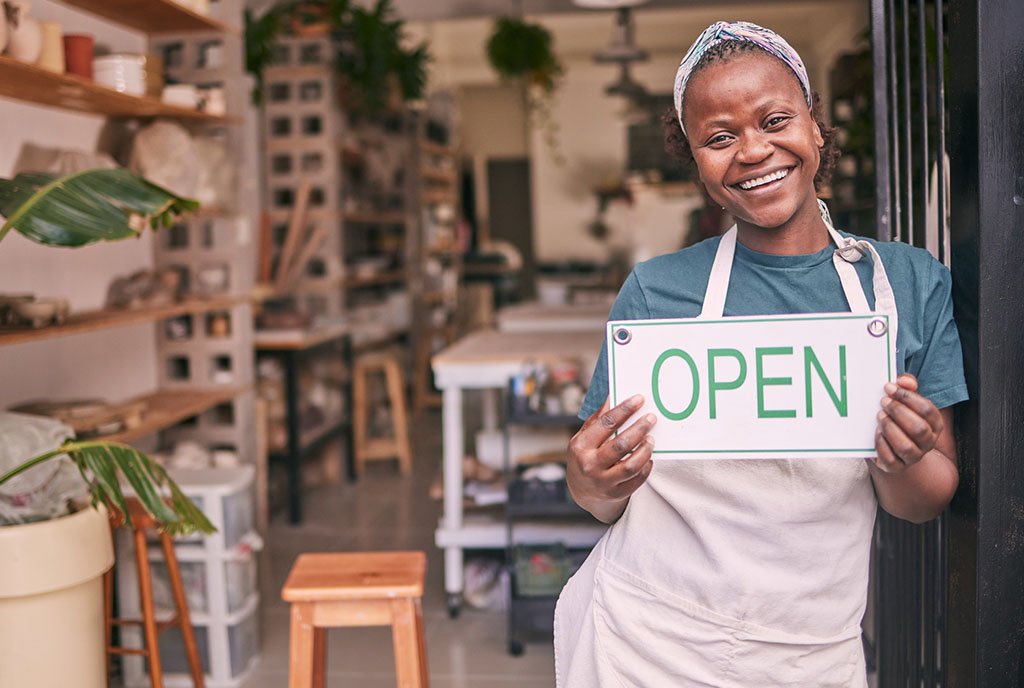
908 426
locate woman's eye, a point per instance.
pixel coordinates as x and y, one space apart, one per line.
716 140
775 121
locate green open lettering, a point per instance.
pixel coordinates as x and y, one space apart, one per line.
763 381
839 400
655 384
714 385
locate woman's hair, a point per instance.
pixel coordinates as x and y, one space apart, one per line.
677 145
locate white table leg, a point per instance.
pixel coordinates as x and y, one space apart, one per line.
452 434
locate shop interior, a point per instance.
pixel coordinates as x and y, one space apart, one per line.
374 332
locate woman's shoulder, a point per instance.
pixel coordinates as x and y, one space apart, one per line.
689 261
904 260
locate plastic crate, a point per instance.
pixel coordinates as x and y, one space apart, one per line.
227 498
239 583
541 570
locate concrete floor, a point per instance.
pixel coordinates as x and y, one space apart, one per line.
387 511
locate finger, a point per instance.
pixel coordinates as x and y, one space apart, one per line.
907 381
631 466
600 426
626 441
624 489
906 449
918 429
887 460
921 406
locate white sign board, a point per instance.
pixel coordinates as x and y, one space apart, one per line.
757 387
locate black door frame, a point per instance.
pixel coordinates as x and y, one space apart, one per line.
951 594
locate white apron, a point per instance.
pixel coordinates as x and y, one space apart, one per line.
731 573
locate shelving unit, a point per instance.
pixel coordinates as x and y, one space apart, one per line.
532 613
152 16
33 84
93 321
167 408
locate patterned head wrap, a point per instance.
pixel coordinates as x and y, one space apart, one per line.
719 32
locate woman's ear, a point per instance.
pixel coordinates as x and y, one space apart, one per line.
819 140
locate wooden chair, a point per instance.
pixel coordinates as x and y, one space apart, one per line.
330 590
380 448
142 522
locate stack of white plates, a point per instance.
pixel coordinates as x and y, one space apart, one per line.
124 72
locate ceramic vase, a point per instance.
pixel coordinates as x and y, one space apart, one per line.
78 54
51 54
25 37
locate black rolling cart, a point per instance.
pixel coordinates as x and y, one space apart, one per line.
538 570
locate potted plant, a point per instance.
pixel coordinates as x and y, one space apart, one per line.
376 71
51 596
522 50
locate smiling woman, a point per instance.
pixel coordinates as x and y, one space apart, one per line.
733 572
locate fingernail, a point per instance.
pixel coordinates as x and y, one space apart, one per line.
649 439
890 388
885 401
651 418
881 415
636 400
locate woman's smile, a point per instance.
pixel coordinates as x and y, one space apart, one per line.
767 181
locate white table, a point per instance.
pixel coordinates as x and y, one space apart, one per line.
486 360
534 316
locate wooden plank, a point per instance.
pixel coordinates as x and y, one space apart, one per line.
33 84
394 217
152 16
296 231
431 148
313 243
270 340
91 321
166 408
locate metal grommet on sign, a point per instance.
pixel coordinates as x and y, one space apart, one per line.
877 327
622 336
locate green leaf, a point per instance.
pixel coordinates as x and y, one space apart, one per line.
84 207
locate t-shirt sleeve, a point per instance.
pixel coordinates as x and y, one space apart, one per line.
630 304
939 364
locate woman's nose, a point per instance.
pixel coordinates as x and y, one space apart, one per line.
754 147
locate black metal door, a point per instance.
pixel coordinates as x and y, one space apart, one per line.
950 594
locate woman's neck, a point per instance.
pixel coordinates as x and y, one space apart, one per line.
799 236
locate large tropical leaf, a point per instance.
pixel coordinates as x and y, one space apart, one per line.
101 462
86 207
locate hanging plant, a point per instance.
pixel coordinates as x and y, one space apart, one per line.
371 58
520 50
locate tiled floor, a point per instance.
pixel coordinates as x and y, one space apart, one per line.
386 511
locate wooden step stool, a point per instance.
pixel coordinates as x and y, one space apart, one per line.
142 522
397 445
329 590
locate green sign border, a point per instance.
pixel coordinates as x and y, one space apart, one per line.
740 319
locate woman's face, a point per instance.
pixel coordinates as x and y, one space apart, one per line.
754 141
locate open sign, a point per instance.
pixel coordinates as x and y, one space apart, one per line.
758 387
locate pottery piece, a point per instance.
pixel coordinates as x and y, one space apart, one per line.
78 49
125 73
25 36
51 54
41 312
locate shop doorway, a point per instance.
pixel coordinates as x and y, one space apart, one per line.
949 109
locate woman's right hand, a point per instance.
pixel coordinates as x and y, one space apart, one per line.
604 469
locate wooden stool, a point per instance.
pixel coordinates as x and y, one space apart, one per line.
141 522
396 446
356 589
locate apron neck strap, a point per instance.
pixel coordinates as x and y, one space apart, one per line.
848 251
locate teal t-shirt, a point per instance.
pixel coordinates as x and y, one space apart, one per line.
927 345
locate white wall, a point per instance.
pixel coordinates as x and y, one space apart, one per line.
592 131
113 363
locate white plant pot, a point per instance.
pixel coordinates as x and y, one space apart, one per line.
51 601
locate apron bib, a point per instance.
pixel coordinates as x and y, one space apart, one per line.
731 573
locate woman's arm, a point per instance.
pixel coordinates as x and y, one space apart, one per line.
915 474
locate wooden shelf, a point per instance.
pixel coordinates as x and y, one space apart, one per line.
151 16
440 176
394 217
438 196
431 148
166 408
32 84
379 279
91 321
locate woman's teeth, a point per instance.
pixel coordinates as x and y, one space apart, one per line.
761 181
